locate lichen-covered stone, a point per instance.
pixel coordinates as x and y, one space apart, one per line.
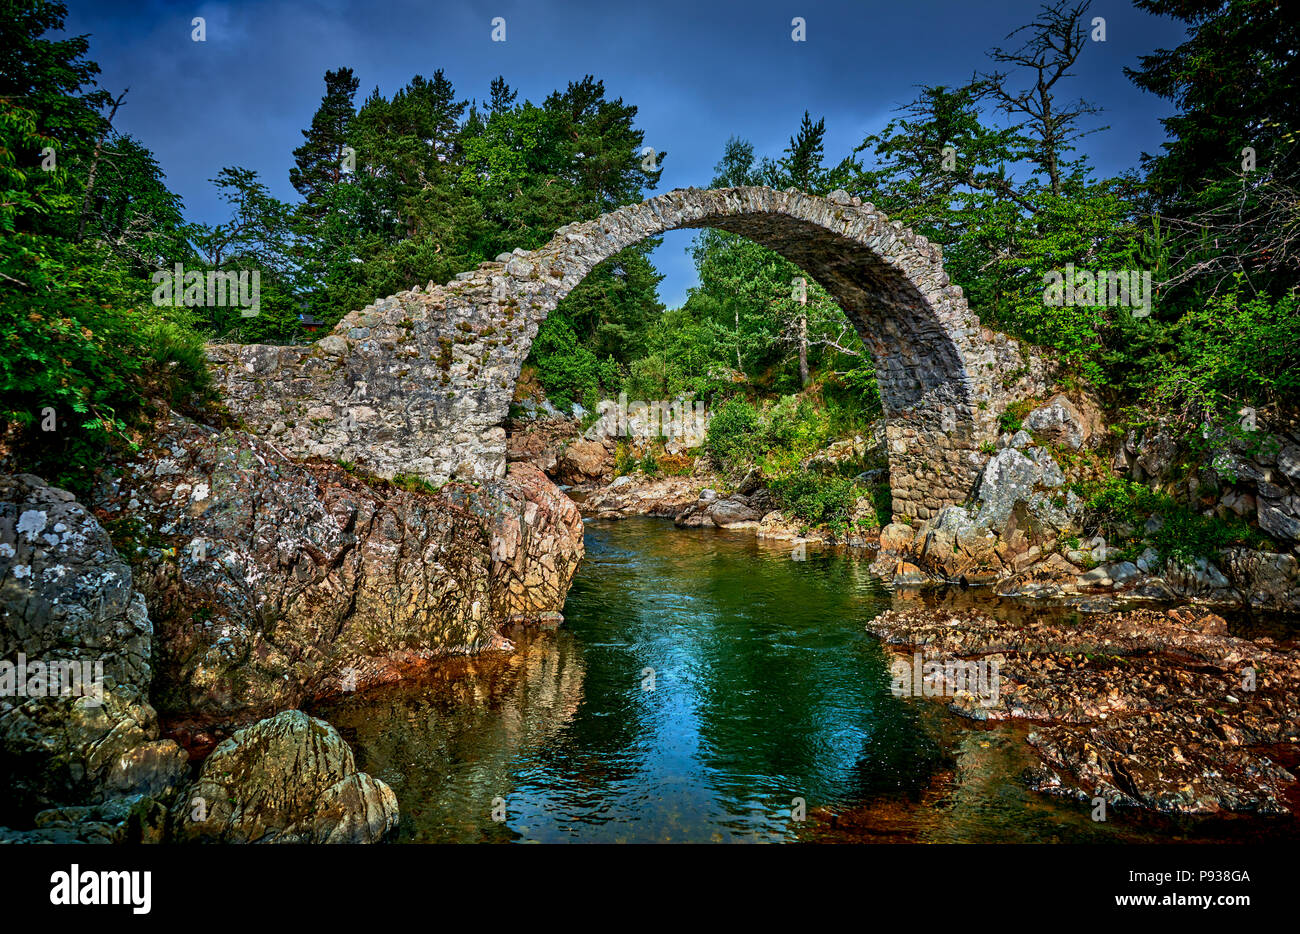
286 779
272 582
1061 422
66 596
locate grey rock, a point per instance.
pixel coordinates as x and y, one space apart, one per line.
1049 472
730 512
66 596
1058 421
1123 572
1097 577
1009 478
333 345
303 571
1288 462
1197 577
1155 457
1278 523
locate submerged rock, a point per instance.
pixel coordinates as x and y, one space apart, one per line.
1164 710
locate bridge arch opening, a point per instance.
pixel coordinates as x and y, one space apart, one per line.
421 382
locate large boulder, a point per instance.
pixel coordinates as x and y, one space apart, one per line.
538 441
1015 513
272 582
733 512
1008 479
1264 579
76 726
1063 422
585 462
287 779
536 546
955 546
896 538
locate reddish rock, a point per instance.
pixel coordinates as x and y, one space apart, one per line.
585 462
272 582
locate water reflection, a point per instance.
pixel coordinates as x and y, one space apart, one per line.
703 682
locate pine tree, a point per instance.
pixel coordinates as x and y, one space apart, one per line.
1228 180
319 160
803 157
502 98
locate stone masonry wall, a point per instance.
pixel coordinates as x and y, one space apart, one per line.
421 382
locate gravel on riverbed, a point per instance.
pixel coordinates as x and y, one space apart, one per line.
1150 708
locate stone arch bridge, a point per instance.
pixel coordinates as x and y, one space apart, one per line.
420 383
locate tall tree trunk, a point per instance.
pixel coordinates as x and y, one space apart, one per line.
803 351
94 167
738 366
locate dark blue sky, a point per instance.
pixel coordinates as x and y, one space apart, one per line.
698 71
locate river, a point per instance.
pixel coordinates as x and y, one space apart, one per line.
706 686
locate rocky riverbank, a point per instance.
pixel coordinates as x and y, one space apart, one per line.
1164 709
215 584
1024 531
84 757
221 585
273 582
697 495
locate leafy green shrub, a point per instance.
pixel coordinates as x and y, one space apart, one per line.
91 368
1232 349
794 425
1119 508
1013 418
624 461
815 499
852 399
730 439
676 465
568 371
882 501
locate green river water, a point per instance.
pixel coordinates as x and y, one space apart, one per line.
702 682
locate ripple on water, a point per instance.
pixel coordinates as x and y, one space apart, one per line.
703 681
